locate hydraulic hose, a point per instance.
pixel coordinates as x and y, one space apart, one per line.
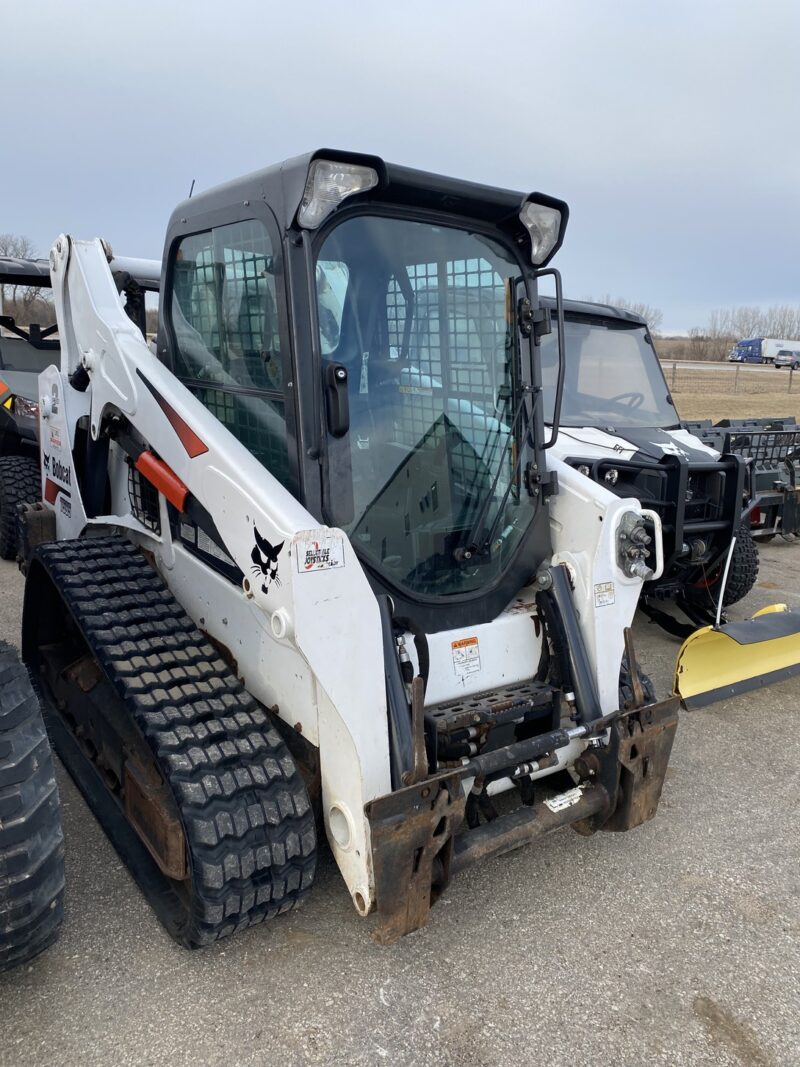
401 740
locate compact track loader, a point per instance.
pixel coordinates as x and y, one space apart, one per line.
319 556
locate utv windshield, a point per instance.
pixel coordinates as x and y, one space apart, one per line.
612 376
420 315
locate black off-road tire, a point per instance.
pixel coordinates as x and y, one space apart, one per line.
20 483
626 699
743 571
742 574
31 838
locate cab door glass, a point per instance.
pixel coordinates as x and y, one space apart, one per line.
225 321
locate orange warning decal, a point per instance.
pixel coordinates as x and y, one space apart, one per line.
194 445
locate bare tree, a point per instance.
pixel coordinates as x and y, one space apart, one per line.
726 326
19 247
653 316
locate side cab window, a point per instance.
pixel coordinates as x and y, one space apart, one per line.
227 343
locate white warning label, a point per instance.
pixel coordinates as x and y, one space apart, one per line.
322 555
466 656
603 594
564 800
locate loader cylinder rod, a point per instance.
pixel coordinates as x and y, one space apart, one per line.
163 478
583 683
401 738
505 759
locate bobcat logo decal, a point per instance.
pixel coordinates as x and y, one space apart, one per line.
265 561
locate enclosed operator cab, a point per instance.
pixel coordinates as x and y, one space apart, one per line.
368 350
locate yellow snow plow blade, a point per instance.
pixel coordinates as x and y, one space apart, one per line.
717 662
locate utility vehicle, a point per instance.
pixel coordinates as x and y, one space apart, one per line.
619 427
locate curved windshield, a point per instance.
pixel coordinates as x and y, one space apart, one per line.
422 317
612 376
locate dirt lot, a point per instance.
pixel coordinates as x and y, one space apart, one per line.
714 405
676 944
730 391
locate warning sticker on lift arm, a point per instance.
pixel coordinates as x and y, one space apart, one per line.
603 594
466 656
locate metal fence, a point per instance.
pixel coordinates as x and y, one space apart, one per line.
729 379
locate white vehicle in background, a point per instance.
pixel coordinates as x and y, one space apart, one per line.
766 350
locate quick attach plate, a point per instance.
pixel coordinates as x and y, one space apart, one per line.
412 833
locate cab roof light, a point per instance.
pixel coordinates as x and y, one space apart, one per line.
328 184
543 223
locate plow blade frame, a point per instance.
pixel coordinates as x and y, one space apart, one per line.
718 662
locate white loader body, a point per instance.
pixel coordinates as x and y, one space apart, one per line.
307 639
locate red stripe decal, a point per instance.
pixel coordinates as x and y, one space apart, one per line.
194 445
51 491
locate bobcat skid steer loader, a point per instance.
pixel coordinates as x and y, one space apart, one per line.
319 554
618 427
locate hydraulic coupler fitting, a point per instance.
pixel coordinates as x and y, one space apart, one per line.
632 546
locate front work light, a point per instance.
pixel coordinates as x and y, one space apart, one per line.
328 184
26 407
543 223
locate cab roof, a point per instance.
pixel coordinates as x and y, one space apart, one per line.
282 185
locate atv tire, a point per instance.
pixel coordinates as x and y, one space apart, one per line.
626 698
31 838
742 574
743 570
20 483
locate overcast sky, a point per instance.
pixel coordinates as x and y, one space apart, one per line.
672 129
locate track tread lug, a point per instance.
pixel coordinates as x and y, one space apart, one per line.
246 813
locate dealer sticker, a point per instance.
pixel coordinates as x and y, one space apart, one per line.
322 555
603 594
466 656
564 800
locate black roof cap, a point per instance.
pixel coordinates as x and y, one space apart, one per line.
282 186
597 311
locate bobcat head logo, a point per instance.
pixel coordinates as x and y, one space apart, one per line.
265 560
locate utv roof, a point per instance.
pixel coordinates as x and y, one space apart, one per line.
604 311
36 272
282 186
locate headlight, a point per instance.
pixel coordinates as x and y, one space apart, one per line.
25 407
543 223
328 184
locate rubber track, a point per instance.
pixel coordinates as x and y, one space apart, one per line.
20 483
31 838
246 814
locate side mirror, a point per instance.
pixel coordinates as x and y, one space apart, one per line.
562 351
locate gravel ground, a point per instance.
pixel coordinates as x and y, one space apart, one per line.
674 944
